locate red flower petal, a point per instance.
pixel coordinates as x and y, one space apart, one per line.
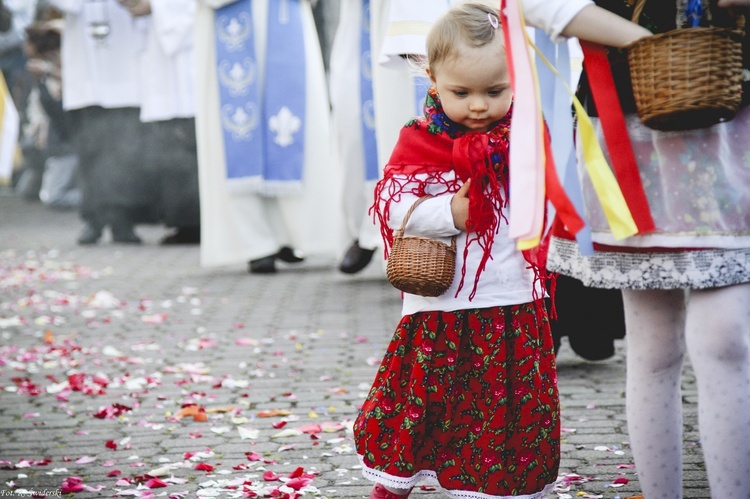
297 473
155 483
72 484
270 476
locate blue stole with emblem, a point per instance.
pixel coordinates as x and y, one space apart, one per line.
263 122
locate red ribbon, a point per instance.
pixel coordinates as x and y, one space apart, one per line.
616 134
565 210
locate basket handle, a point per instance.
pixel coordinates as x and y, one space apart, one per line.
399 232
411 210
637 10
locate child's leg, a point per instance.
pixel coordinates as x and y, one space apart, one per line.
655 321
718 340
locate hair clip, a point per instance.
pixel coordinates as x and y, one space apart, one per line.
493 20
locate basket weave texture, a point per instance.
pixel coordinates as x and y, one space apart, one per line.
687 78
420 265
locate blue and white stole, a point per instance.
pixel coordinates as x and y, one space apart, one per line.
263 122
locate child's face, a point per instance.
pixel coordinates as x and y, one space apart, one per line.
474 87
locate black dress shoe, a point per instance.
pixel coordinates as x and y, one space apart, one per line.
265 265
288 255
90 235
355 259
125 235
184 235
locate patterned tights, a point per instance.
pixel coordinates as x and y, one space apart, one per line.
713 327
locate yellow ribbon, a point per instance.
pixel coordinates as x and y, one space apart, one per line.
605 184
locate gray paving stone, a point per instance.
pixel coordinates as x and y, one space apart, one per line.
315 340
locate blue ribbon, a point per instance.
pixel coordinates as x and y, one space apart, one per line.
421 86
369 140
556 107
694 12
263 130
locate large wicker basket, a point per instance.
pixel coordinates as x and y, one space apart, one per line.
688 77
420 265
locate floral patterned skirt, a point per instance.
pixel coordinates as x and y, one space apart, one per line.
466 399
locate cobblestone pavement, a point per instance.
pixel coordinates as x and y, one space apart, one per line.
132 371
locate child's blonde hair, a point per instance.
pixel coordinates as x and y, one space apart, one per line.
472 24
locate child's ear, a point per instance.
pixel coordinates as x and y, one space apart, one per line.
430 74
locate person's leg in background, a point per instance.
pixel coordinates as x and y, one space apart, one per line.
718 340
655 322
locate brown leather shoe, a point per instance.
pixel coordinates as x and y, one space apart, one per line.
355 259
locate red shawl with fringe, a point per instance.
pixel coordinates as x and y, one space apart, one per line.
431 146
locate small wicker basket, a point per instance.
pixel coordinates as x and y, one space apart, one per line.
687 78
420 265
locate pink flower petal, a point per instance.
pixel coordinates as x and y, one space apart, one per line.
72 484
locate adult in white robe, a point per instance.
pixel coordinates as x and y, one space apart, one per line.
241 227
100 73
397 27
167 68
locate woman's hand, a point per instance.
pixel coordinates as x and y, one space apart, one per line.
460 206
734 3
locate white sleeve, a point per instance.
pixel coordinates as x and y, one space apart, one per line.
174 22
432 218
552 16
406 26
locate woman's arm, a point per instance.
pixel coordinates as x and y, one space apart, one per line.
601 26
581 19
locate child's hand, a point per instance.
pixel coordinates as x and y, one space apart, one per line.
460 206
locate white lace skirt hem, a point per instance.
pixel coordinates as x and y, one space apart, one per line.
429 477
693 269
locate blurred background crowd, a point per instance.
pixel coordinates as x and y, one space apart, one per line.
255 129
116 98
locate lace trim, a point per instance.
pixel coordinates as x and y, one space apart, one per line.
694 269
429 477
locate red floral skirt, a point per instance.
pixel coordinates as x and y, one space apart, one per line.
467 399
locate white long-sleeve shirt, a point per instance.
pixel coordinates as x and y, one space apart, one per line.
552 16
100 73
168 62
506 279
